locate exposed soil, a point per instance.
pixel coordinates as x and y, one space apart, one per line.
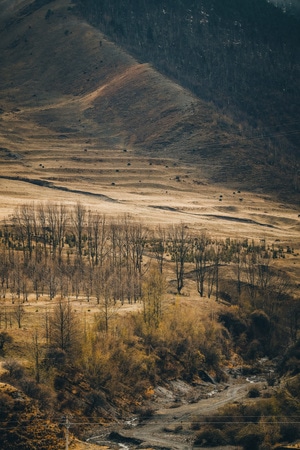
177 410
92 124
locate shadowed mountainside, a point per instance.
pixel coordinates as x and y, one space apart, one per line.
242 55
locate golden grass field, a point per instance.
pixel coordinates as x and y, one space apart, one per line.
82 121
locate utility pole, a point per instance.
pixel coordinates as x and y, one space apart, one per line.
67 425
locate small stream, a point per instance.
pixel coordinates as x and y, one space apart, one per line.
152 432
112 444
109 444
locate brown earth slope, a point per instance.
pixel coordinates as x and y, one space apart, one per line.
81 120
62 81
22 422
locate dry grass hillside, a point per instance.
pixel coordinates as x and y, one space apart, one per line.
82 120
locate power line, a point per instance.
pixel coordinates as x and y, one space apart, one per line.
204 420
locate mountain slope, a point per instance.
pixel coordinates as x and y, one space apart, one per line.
243 55
72 102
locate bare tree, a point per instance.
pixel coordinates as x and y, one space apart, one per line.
43 227
4 271
51 279
138 236
98 282
36 352
250 268
78 220
179 247
16 273
62 219
293 318
200 254
158 246
213 271
153 291
237 250
18 313
97 238
107 305
24 220
217 266
63 326
55 221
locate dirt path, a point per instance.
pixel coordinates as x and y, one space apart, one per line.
154 431
170 427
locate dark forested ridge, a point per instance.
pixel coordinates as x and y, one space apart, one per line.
242 55
290 6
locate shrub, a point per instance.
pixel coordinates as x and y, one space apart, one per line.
59 383
253 393
40 392
261 322
290 432
30 387
48 14
145 412
5 338
15 369
6 404
95 399
55 357
234 324
250 437
45 397
255 350
210 437
291 362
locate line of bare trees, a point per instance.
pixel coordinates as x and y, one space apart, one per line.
71 252
51 249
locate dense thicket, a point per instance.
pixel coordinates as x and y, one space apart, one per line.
243 55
